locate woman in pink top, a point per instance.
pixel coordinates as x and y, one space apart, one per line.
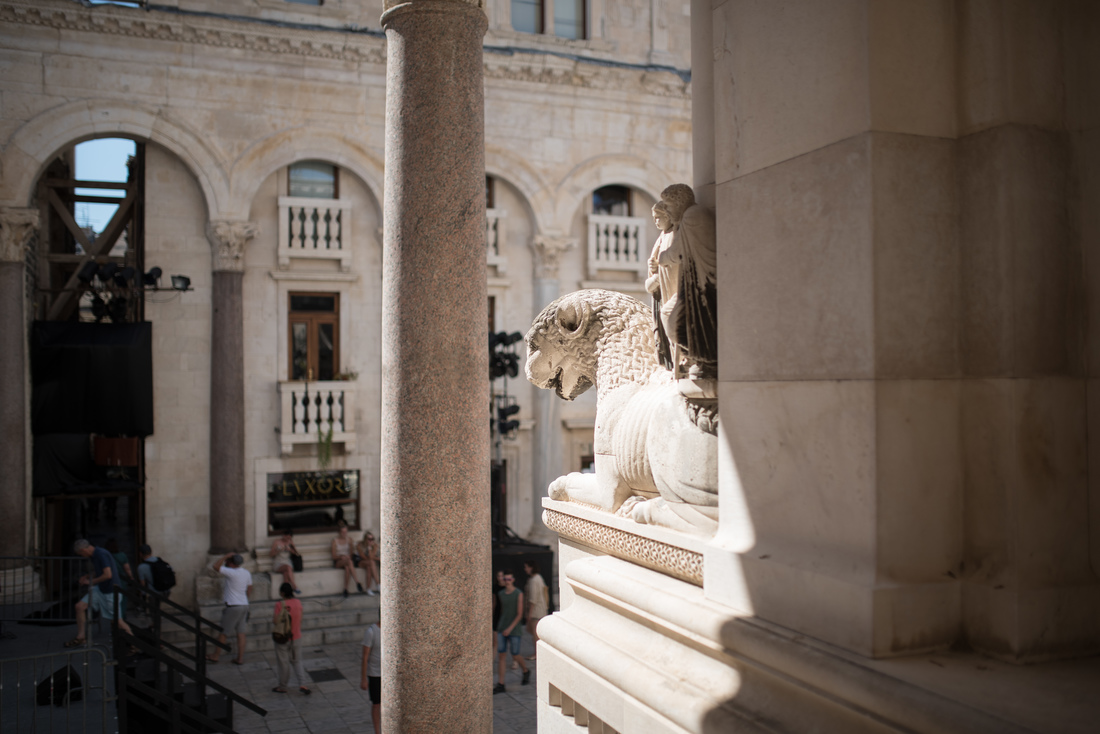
289 654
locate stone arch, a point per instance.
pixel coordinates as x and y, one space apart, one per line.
33 145
628 170
532 187
299 144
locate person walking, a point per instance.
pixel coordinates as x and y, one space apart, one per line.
538 600
509 630
100 587
288 655
371 679
238 586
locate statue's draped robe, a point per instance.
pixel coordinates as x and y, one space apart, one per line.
688 306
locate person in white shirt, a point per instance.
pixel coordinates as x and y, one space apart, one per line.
372 672
238 585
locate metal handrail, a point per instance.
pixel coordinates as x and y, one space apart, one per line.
125 642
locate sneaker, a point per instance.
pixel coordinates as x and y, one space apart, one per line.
297 591
359 586
526 677
370 593
345 593
498 688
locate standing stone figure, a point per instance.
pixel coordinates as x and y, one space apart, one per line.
683 281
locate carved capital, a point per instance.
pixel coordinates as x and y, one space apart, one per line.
16 227
548 250
228 240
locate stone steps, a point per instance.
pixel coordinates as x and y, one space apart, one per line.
325 620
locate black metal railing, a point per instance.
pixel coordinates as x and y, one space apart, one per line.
163 686
39 590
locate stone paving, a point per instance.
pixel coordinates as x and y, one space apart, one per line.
340 706
335 706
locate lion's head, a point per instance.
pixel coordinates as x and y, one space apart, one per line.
567 340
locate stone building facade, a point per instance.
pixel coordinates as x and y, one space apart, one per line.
225 99
906 196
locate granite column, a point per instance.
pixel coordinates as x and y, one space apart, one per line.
227 519
16 226
435 405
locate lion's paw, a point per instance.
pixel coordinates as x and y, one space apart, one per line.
626 509
558 489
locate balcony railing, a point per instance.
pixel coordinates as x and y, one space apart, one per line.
314 228
311 407
495 239
614 243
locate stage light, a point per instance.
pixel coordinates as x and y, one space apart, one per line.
151 278
181 282
87 272
124 276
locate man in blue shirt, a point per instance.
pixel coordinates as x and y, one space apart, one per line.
101 583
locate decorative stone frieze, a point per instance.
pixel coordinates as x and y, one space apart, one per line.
681 563
16 226
228 240
339 43
548 250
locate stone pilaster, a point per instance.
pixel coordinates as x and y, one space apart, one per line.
435 437
227 520
548 250
16 226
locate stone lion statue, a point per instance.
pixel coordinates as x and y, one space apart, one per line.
656 450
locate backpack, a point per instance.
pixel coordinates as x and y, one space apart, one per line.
164 578
283 624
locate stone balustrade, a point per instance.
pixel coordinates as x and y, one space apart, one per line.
614 243
315 229
309 407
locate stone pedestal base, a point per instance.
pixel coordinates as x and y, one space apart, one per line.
639 651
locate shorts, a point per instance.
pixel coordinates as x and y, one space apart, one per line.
512 641
97 601
374 687
235 620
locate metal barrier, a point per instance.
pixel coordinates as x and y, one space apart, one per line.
40 590
70 692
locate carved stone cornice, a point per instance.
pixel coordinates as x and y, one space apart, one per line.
16 226
548 250
228 240
682 563
348 44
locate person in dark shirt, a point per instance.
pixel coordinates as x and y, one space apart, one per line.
509 630
101 583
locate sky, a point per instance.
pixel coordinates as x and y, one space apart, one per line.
101 160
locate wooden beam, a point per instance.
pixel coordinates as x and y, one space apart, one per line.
103 243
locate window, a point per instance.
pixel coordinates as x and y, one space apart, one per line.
611 200
313 501
569 19
314 180
490 192
527 16
314 321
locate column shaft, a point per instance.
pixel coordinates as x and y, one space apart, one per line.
227 414
435 405
13 413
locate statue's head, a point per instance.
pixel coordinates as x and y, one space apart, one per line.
677 198
661 216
